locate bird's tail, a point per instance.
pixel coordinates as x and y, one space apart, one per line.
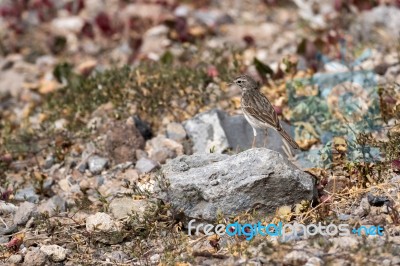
288 138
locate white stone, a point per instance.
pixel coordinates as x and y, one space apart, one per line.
68 24
56 252
100 221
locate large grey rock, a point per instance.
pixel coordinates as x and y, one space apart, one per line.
201 185
218 131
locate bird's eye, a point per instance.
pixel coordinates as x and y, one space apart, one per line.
239 81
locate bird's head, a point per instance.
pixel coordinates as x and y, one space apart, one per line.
246 82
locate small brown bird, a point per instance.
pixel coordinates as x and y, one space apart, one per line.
258 110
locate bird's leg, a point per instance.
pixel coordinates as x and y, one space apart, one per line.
254 138
265 138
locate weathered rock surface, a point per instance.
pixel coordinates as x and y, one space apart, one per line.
201 185
218 131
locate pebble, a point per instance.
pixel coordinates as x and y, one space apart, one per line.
99 180
60 124
65 185
35 257
296 258
28 194
176 132
155 258
344 217
6 207
15 258
25 211
119 256
84 185
4 239
182 11
363 209
97 164
8 230
161 148
314 261
145 165
56 203
82 167
130 174
345 242
99 221
67 24
55 252
48 163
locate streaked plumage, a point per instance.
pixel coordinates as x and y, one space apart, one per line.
258 110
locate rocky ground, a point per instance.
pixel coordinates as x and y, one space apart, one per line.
118 126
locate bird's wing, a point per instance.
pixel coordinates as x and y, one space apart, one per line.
259 107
